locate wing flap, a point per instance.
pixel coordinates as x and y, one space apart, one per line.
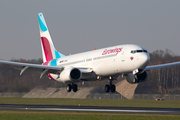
23 70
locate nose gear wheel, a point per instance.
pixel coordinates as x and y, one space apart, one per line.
111 87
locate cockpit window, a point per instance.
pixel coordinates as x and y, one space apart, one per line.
138 51
133 51
145 51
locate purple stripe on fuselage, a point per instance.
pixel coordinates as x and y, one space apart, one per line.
49 75
46 63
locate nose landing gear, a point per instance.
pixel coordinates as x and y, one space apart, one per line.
111 86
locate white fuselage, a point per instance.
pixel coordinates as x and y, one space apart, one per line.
106 61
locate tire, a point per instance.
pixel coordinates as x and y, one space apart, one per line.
74 88
113 88
107 88
68 87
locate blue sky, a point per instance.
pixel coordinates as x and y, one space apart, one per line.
80 25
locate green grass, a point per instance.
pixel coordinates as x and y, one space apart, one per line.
93 102
38 115
56 115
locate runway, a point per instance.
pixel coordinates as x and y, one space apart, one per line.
90 109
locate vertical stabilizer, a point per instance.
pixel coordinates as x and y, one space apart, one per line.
48 50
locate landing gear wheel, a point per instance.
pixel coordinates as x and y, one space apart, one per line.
74 87
107 88
113 88
68 87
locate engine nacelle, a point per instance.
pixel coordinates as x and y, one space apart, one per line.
139 77
70 74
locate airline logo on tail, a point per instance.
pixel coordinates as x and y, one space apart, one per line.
48 50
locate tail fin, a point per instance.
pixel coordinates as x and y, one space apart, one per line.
48 50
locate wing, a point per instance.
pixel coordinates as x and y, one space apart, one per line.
42 69
162 65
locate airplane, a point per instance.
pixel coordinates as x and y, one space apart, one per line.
107 63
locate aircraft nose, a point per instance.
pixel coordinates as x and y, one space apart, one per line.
144 58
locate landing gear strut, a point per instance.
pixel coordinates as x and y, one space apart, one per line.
111 86
73 86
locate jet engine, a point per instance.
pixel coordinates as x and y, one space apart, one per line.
70 74
139 77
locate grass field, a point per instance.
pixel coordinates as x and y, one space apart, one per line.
56 115
39 115
93 102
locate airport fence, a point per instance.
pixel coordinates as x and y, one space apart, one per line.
111 96
15 94
135 96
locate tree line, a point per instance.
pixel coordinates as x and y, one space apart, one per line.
162 80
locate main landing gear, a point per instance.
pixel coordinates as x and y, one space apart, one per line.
73 86
111 86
